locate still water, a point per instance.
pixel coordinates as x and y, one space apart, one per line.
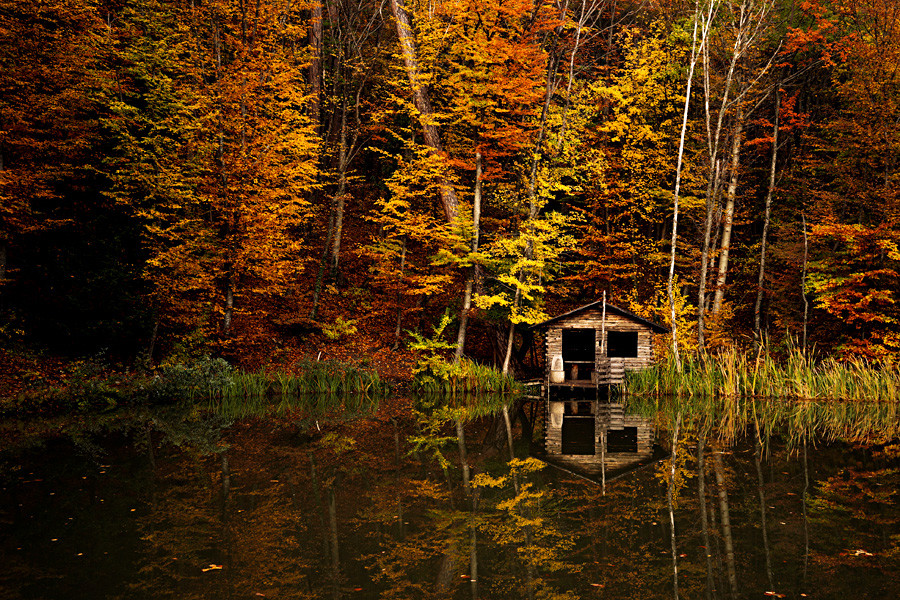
177 503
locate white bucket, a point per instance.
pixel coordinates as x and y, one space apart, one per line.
557 374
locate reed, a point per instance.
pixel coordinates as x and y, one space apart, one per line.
466 378
796 376
314 388
793 420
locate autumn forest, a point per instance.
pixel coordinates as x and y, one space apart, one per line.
269 178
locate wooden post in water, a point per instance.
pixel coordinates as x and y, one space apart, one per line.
603 461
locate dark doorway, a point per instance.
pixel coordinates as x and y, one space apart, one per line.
621 344
578 353
578 435
622 440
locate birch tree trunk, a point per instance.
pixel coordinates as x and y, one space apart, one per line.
670 501
704 517
473 272
687 103
726 521
728 214
713 138
749 20
757 308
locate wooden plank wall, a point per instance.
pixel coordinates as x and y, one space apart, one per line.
609 370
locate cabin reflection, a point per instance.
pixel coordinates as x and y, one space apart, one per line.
594 438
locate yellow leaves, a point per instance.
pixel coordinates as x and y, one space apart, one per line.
483 480
336 443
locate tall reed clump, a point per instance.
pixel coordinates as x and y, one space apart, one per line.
465 378
315 387
793 420
795 396
796 376
478 388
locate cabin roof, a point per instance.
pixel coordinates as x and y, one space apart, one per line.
655 327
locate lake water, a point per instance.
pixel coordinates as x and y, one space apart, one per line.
175 503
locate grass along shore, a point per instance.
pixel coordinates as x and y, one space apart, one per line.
796 376
309 386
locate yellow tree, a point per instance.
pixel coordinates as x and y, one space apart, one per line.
215 152
631 194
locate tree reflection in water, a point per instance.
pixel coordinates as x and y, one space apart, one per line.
181 503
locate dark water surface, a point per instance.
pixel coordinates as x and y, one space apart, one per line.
175 503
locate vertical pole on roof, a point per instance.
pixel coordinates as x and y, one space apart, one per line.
603 328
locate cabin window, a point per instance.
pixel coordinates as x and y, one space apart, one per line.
622 440
578 345
622 344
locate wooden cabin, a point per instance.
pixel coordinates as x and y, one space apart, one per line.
595 345
588 351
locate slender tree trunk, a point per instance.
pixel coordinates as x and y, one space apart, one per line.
226 480
323 260
400 529
803 279
712 212
398 298
470 282
757 308
511 333
762 511
670 291
422 101
151 347
704 518
728 216
315 64
670 501
341 193
229 306
335 555
473 546
805 500
713 137
726 521
463 457
587 11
